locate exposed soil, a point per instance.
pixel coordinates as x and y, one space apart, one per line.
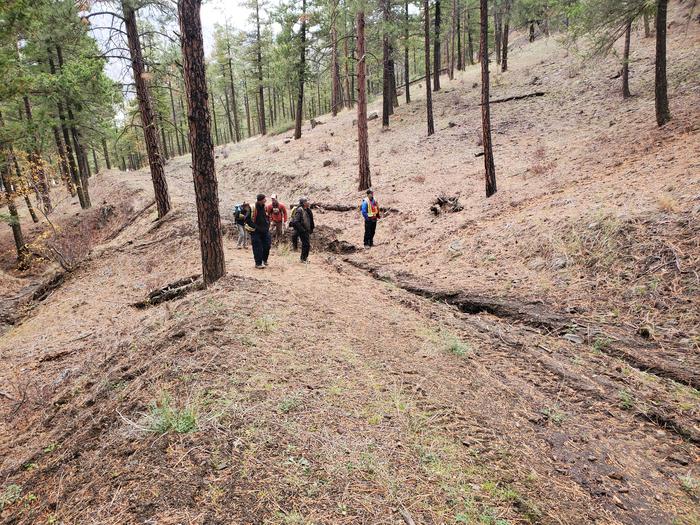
532 358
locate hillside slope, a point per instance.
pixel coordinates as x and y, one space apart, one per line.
533 358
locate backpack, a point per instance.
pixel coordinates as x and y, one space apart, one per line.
293 219
237 211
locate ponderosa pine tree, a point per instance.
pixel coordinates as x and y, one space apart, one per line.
428 93
203 171
406 69
437 59
301 72
365 179
663 114
387 105
489 167
155 158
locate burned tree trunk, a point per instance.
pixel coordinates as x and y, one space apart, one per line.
301 72
436 49
490 169
362 141
428 93
205 184
663 114
626 62
155 159
460 57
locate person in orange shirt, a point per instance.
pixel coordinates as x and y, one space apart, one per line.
277 215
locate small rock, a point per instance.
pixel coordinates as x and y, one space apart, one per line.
451 124
287 141
275 149
592 458
617 475
327 163
475 85
372 116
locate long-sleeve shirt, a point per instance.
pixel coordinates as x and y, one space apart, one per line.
366 211
258 219
276 213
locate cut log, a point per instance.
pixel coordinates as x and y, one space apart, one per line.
518 97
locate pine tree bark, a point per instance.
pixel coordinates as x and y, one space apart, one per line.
428 93
105 152
387 108
301 73
336 99
83 168
229 118
406 72
365 179
497 34
203 170
63 161
506 30
163 142
392 81
236 122
217 137
663 114
436 49
174 116
460 58
489 166
37 169
348 91
470 41
626 62
94 161
155 159
246 105
453 36
262 126
15 225
22 183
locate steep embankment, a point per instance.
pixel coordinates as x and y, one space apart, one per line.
476 366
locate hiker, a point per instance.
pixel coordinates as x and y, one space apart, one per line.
370 212
259 227
277 215
303 224
239 213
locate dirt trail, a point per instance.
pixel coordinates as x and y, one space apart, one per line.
324 396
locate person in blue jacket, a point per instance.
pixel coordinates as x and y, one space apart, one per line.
370 212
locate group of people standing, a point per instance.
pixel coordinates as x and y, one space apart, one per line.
265 224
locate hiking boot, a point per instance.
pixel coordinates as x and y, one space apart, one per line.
259 266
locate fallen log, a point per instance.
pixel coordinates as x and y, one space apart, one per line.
174 290
348 207
517 97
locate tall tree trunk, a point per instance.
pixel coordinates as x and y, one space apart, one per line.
470 41
453 36
205 183
236 122
36 166
261 95
336 99
406 72
217 137
15 225
301 73
175 124
105 152
365 178
94 161
229 118
83 168
164 143
490 169
63 161
387 107
428 93
392 81
155 159
436 49
626 62
460 61
22 182
246 104
497 33
72 167
506 30
348 91
663 114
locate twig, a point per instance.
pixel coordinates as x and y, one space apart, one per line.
406 516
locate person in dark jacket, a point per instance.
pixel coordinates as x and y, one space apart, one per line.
259 227
239 216
303 224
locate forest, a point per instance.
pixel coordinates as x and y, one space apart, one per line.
521 343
